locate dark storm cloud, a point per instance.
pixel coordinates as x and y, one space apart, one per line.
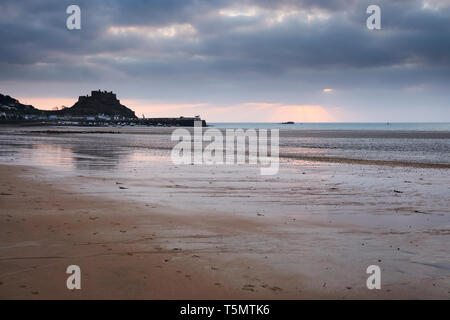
36 44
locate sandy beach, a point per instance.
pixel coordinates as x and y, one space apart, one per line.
148 229
225 150
121 247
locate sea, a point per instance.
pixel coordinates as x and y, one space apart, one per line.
103 148
391 126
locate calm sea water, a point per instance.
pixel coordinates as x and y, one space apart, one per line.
402 142
400 126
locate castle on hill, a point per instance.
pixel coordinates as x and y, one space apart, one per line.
101 96
100 103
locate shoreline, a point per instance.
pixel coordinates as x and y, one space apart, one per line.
368 162
159 139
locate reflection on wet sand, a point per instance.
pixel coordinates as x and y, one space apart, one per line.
309 231
68 155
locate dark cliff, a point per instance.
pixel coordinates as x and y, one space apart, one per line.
13 108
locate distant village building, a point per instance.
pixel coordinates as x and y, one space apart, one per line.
196 118
103 117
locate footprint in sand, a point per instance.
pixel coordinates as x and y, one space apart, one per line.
249 287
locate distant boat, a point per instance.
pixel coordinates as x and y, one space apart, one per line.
288 122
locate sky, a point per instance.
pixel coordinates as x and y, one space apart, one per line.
234 61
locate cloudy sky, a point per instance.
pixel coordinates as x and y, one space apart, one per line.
227 60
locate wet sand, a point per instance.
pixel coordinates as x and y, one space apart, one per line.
125 250
368 162
301 234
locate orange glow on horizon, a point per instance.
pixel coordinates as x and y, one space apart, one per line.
46 103
159 110
245 112
304 113
299 113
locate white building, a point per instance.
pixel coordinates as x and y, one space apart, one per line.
103 117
